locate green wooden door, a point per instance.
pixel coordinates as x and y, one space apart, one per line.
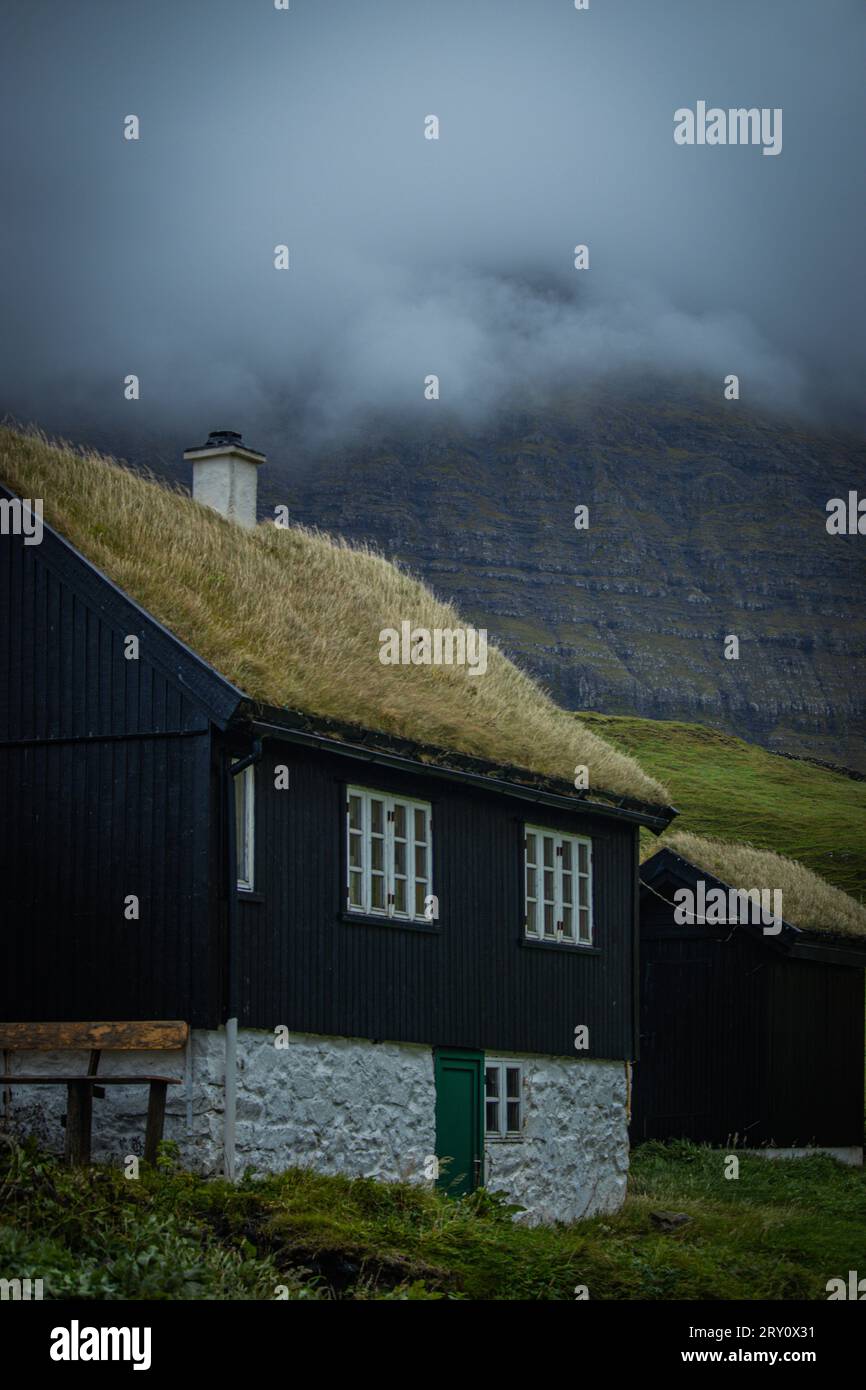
459 1120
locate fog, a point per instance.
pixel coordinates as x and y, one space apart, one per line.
409 256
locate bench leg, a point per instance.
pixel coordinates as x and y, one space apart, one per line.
79 1111
155 1119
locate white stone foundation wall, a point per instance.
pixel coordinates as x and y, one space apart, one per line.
572 1161
349 1106
337 1104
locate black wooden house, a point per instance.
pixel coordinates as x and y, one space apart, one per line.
748 1038
384 951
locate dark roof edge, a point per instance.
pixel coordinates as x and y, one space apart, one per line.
399 753
204 684
796 941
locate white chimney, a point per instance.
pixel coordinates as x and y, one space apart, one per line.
224 476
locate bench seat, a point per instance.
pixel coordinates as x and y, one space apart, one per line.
22 1079
151 1035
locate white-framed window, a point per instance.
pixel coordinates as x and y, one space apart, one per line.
503 1099
558 879
245 827
389 855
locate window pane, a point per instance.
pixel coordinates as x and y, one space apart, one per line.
584 924
400 895
355 850
548 885
420 895
492 1122
583 892
355 812
491 1081
548 850
244 808
566 888
377 891
356 889
566 855
531 915
549 923
420 824
583 858
377 816
377 855
513 1120
399 856
241 826
531 883
420 861
530 850
400 820
512 1082
568 923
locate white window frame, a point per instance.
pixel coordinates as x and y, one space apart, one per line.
245 829
501 1133
389 874
568 926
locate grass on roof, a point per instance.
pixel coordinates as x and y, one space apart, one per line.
728 789
292 617
808 901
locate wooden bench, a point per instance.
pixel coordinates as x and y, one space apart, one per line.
155 1036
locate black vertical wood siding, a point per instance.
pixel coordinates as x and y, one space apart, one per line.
740 1043
104 792
816 1053
470 984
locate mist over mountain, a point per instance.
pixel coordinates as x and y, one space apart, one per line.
408 257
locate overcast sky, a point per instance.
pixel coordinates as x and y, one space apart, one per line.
411 256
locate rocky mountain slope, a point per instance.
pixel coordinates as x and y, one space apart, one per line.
704 520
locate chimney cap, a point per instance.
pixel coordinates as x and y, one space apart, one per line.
221 442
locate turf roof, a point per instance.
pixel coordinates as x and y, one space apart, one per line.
808 902
292 617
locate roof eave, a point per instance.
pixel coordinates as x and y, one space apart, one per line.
296 727
793 940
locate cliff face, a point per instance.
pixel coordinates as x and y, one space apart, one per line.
704 521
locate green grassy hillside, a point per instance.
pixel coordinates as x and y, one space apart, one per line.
733 790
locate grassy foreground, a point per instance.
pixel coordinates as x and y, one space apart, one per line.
779 1231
